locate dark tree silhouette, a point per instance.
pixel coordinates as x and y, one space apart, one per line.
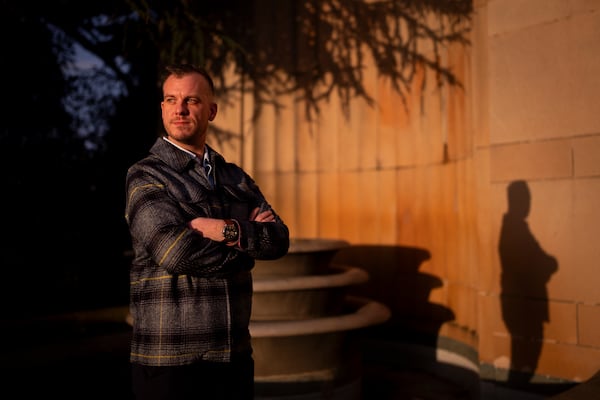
59 251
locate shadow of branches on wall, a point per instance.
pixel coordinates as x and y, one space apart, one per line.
307 47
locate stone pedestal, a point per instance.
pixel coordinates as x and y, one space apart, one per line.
300 320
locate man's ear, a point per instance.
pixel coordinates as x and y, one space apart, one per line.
213 111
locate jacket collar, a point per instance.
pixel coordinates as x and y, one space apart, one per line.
178 158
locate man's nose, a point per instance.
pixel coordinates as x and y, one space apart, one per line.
181 109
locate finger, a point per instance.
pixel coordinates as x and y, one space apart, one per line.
266 214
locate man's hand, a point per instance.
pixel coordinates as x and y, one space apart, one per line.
265 216
212 228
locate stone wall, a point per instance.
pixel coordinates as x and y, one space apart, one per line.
425 180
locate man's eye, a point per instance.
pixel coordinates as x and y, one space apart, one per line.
169 100
193 101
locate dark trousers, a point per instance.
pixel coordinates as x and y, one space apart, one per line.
199 381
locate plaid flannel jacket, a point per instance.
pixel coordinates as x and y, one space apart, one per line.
191 297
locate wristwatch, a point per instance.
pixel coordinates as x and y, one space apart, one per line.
230 231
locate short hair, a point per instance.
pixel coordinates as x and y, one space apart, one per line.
182 69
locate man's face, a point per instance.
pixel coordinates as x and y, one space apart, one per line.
187 108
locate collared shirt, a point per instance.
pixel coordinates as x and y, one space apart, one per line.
205 160
191 297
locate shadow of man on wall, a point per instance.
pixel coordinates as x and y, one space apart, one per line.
526 270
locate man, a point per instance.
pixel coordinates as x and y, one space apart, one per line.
197 224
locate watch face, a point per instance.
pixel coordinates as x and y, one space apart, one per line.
230 232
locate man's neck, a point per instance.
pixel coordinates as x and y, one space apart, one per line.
193 150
